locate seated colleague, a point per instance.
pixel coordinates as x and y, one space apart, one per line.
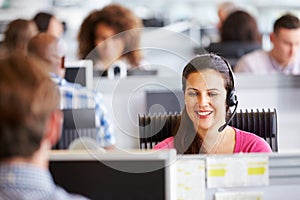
30 124
283 58
239 35
46 47
208 88
111 34
48 23
224 10
17 35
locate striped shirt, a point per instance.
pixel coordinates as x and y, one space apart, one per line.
27 182
74 96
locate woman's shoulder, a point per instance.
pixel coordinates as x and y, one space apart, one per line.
249 142
165 144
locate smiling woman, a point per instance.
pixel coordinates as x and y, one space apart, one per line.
205 96
208 86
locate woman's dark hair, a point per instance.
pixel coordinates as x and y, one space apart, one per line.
120 19
187 141
42 21
240 26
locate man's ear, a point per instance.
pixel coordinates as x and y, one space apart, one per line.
272 37
54 127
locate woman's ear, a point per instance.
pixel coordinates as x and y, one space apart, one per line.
54 127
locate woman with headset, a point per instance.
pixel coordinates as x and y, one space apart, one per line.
208 86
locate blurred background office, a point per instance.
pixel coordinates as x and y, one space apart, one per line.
202 15
173 29
239 35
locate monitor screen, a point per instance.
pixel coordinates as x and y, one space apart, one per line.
81 72
130 72
164 101
116 176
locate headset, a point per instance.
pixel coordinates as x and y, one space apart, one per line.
231 97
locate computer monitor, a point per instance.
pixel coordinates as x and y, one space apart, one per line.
80 71
141 72
116 175
164 101
130 72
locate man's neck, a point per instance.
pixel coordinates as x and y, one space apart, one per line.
278 59
38 159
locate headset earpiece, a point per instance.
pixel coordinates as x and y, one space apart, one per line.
231 99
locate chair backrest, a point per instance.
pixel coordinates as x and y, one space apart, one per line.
232 51
77 123
157 127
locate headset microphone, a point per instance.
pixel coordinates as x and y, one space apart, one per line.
231 117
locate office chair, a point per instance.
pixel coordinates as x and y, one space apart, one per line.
232 51
157 127
77 123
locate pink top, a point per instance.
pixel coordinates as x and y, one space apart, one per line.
244 142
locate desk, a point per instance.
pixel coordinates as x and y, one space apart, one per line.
284 176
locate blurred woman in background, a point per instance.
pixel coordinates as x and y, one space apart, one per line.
109 35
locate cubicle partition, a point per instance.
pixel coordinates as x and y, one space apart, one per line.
163 175
126 98
241 176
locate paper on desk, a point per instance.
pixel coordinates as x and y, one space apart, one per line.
239 196
237 171
190 179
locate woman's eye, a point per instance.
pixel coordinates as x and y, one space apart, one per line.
211 94
192 94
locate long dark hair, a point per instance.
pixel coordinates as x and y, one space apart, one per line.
240 26
187 141
121 20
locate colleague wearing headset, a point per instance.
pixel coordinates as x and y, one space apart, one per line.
208 86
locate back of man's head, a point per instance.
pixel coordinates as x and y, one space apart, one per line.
287 21
18 34
28 97
47 47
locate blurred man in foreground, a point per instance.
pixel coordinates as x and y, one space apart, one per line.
30 124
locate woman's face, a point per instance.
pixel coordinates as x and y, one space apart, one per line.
205 98
55 27
109 46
